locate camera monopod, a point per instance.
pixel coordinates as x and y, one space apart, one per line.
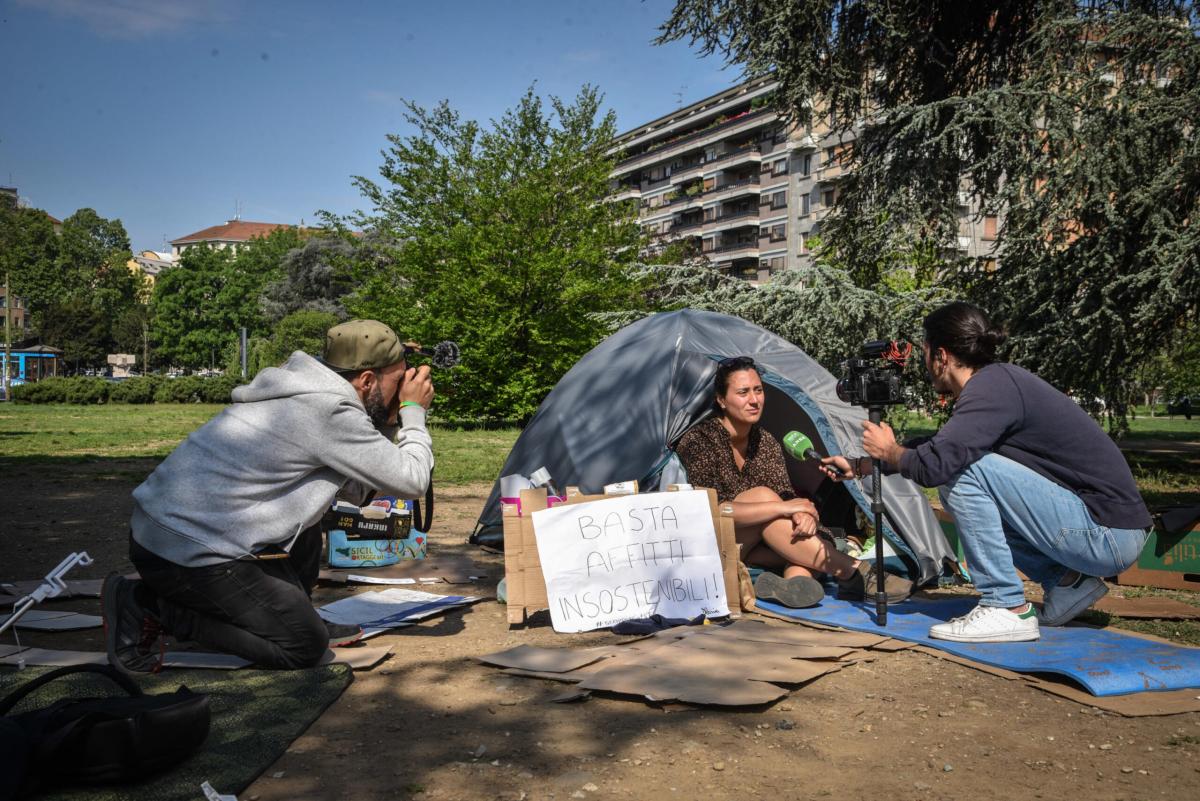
873 381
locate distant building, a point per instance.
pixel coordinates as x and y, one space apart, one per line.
743 186
232 234
10 196
19 323
150 263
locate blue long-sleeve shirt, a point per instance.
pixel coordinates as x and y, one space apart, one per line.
1007 410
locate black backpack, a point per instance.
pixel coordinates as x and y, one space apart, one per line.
96 740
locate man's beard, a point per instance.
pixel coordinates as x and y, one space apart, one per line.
377 410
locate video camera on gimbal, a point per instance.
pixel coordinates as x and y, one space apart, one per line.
873 378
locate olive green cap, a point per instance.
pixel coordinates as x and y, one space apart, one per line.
361 345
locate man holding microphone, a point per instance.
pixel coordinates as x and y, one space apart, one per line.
1033 483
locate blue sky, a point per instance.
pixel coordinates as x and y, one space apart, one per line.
164 113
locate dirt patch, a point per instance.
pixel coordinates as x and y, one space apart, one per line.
431 723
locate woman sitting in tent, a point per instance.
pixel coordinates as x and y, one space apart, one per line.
776 531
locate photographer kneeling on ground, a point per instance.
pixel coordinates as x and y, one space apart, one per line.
732 454
1033 483
225 532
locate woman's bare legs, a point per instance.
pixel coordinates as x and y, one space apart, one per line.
774 546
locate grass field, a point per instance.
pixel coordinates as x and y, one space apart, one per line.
68 433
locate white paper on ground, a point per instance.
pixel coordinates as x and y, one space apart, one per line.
361 579
388 609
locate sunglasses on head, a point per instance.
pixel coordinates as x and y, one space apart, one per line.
736 362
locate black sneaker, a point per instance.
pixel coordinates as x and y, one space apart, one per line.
798 592
132 634
341 634
862 585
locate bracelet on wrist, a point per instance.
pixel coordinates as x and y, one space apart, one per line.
410 403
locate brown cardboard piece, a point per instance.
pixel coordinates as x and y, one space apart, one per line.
730 665
524 582
547 660
665 685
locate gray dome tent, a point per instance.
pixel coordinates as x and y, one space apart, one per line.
615 415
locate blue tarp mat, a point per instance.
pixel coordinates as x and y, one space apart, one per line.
1102 661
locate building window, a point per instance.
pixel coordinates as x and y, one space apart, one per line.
804 205
806 168
779 232
779 167
827 198
989 227
779 200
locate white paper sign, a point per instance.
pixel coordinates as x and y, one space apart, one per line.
630 557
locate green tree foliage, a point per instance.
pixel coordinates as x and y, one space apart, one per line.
200 305
315 277
29 255
1076 120
501 240
819 308
80 329
302 330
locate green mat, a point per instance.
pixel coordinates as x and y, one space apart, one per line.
256 714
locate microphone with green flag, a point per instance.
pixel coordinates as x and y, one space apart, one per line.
800 447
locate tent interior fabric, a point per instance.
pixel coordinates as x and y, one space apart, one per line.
617 413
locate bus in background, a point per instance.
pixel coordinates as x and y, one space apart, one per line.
28 364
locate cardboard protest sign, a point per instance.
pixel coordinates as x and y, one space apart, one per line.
630 557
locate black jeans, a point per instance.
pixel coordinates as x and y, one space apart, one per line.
258 609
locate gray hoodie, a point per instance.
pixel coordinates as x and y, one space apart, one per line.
271 463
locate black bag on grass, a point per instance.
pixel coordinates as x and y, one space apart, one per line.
96 740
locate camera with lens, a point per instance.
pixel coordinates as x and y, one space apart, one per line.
872 379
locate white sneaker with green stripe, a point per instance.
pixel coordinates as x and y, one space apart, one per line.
989 624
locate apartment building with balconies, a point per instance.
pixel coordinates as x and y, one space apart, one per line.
744 187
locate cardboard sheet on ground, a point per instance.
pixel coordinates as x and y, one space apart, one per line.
630 557
55 620
377 612
731 665
1102 661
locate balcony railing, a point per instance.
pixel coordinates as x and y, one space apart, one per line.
748 150
703 132
735 215
683 226
733 185
684 197
753 243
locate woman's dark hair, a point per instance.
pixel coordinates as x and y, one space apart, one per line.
965 332
726 368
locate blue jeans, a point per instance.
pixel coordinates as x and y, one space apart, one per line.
1009 517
